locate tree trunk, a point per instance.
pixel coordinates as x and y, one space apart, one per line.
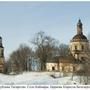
43 66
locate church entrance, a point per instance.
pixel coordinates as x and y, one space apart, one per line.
53 68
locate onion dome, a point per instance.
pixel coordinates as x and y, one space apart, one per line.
79 36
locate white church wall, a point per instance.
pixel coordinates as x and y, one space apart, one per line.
52 66
79 45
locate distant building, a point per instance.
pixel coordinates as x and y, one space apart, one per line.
1 56
79 48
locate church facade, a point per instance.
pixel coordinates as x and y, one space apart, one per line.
79 52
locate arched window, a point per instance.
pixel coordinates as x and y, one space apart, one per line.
53 68
82 58
82 47
75 47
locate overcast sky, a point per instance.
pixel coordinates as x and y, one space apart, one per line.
19 21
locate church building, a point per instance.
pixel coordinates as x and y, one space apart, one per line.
79 45
2 63
79 52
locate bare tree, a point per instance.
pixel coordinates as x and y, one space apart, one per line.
20 56
63 50
44 47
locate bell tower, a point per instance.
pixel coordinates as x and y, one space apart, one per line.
79 44
1 48
1 56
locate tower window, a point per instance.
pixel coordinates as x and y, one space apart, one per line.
82 47
75 47
82 58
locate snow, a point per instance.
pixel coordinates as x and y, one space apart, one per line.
38 78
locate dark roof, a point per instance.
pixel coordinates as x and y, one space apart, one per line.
54 59
80 37
61 59
67 59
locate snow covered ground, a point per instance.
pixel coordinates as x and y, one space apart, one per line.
37 78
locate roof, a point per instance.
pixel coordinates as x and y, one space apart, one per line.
61 59
67 59
79 37
54 59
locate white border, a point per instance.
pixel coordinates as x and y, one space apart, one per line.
48 0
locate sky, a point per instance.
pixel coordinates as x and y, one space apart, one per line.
19 21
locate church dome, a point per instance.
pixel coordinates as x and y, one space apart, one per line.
79 37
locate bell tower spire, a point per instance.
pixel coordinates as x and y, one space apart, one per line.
79 27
